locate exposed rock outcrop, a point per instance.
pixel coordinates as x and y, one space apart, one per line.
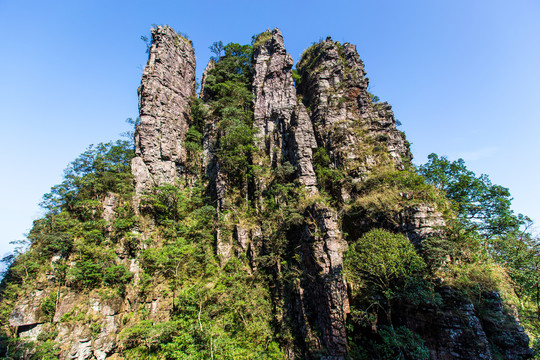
167 84
457 329
284 131
321 304
347 122
328 112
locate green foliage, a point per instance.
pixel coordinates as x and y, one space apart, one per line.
401 343
329 179
117 275
232 71
386 194
390 343
224 313
480 205
296 77
166 202
487 247
383 263
519 252
101 169
199 113
49 350
373 98
86 274
48 305
73 228
382 267
228 86
217 49
225 316
262 38
236 146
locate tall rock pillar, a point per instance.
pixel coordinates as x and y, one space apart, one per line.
167 84
285 132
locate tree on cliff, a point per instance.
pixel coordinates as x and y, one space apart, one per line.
480 205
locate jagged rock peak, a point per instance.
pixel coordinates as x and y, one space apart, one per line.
341 62
167 85
284 131
270 42
347 120
273 90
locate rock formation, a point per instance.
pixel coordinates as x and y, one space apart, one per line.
284 130
167 85
346 120
327 113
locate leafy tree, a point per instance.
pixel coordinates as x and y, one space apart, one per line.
228 87
100 169
480 205
381 267
383 264
487 242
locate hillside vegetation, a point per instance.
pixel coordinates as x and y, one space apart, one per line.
241 257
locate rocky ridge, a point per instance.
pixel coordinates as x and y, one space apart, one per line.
328 111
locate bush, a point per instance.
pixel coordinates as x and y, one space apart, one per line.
117 275
382 266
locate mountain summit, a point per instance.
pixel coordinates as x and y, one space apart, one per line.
275 215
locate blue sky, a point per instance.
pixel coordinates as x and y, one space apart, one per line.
463 78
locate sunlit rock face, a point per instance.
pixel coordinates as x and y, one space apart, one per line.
322 108
167 85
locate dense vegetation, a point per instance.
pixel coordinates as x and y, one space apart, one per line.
73 245
218 308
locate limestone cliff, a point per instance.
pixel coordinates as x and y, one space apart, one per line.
322 165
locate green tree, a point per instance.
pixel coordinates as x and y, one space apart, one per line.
381 267
480 205
384 264
100 169
228 87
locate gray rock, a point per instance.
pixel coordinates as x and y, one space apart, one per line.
284 131
321 296
28 310
346 121
204 92
167 84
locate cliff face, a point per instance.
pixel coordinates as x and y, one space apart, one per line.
323 143
167 85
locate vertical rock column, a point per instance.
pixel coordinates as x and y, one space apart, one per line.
167 84
284 130
285 133
321 295
347 122
274 94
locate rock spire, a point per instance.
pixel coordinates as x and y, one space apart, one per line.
167 84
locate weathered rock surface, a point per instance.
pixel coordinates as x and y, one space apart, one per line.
458 330
28 311
505 334
421 222
346 121
274 94
451 331
204 91
321 302
168 83
285 132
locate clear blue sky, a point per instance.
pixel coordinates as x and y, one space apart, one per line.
463 77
